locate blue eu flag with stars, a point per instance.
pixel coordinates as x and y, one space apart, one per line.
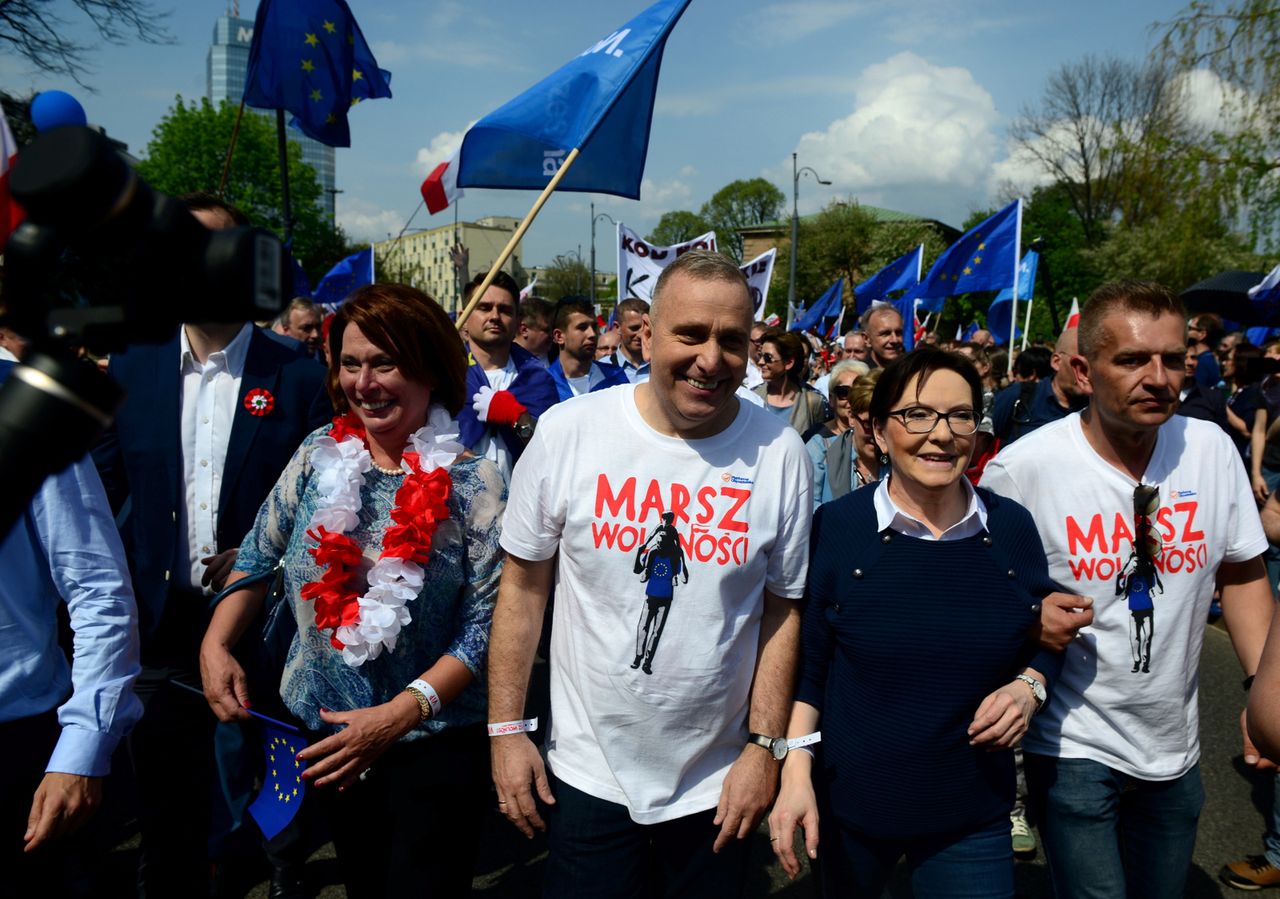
354 271
984 258
282 783
309 57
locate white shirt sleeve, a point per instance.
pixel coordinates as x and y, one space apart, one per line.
789 558
536 508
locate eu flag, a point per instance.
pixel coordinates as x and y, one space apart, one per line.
1001 308
282 783
309 57
900 274
301 283
826 306
600 103
354 271
984 258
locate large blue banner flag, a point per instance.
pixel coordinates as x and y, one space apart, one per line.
309 57
984 258
900 274
600 103
826 306
354 271
1001 308
282 785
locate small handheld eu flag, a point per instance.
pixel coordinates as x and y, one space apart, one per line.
282 785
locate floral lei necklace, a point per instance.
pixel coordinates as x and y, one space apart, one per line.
363 625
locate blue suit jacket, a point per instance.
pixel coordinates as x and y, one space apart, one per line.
139 459
613 376
532 386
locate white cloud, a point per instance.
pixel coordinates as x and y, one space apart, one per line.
439 149
794 20
365 221
920 138
1211 103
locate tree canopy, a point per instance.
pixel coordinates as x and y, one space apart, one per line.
33 30
677 226
741 204
187 151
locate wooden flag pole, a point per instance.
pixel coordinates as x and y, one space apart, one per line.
231 148
515 238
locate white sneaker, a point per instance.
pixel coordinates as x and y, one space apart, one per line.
1024 841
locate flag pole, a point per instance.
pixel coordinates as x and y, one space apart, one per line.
516 237
231 148
1026 328
1013 312
286 209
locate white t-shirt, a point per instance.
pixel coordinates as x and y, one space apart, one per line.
491 445
594 484
1142 722
580 386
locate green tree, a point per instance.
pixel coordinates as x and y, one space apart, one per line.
741 204
677 226
1239 41
34 31
567 276
187 151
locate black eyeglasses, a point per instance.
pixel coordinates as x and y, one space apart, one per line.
922 420
1146 502
768 358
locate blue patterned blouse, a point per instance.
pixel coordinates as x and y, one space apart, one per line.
451 615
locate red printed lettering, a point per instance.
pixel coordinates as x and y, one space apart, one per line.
605 497
652 502
1120 534
1164 520
1078 541
740 497
1189 533
705 496
680 502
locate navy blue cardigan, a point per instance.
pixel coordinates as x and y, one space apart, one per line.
902 640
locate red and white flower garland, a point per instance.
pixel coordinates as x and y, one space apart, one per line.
363 625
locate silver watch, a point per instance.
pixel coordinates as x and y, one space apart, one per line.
777 746
1037 689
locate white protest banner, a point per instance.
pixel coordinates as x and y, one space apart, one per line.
759 272
640 262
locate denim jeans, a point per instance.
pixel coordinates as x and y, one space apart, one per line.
595 851
1107 835
1271 840
975 865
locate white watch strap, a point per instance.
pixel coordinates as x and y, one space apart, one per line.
806 740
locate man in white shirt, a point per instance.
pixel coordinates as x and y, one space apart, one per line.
629 356
674 522
1158 509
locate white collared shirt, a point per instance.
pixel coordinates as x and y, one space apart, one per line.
209 395
888 515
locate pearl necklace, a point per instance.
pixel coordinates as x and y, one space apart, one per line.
389 471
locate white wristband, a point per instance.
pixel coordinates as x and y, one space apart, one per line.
806 740
433 698
502 728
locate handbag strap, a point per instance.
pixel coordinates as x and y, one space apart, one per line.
245 582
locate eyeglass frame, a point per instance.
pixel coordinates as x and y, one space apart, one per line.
901 415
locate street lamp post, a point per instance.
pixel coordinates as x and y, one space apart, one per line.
595 218
795 228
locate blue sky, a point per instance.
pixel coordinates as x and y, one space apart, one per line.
899 104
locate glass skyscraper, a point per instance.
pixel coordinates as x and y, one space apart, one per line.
227 63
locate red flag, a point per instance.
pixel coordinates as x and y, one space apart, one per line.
1073 317
441 187
11 214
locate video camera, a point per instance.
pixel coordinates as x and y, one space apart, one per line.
103 261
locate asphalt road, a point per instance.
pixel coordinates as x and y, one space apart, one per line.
1231 826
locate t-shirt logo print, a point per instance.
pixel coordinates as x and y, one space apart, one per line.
1140 577
659 562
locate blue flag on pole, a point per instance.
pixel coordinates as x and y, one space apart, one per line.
301 283
900 274
826 306
1001 308
309 57
601 103
282 783
354 271
984 258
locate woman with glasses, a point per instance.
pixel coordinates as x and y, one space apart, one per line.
843 453
782 362
919 671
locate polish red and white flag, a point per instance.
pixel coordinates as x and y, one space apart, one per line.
11 214
441 187
1073 317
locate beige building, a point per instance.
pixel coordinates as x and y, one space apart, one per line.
422 259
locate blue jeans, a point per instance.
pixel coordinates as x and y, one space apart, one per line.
1107 835
595 851
1272 556
1271 840
976 865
